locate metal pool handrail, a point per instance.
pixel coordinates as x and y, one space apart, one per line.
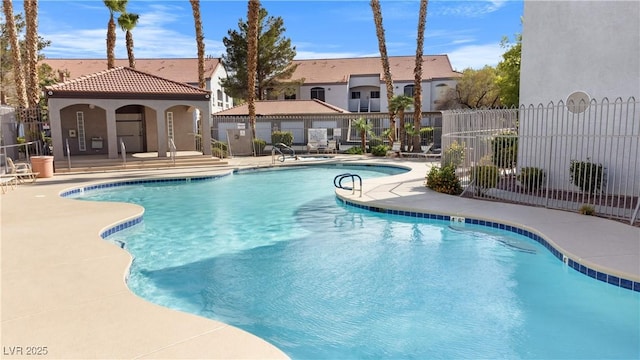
337 182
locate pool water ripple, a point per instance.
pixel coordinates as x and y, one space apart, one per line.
276 254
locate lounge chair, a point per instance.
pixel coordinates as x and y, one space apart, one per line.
426 153
312 146
331 147
8 181
22 171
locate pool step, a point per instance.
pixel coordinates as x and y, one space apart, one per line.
90 165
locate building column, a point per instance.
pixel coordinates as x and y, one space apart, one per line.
56 131
161 126
112 134
205 127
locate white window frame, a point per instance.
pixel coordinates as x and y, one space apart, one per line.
170 128
82 140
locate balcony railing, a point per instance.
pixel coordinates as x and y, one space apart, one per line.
364 105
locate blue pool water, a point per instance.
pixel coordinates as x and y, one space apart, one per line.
274 253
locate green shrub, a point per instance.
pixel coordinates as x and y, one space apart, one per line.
373 142
355 150
379 150
588 176
454 155
285 137
444 180
485 176
426 134
219 150
505 150
587 210
259 145
532 178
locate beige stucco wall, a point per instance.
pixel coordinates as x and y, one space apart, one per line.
95 126
183 127
151 129
62 118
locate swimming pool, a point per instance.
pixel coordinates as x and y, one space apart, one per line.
274 253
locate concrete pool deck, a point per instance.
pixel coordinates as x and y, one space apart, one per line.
64 288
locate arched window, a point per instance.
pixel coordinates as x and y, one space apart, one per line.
408 90
317 93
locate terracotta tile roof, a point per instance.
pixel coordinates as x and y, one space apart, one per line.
124 82
285 107
315 71
184 70
338 70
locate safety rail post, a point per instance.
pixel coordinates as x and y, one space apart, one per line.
273 155
68 155
337 182
635 212
281 146
172 151
123 151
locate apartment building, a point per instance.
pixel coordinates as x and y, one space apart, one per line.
357 84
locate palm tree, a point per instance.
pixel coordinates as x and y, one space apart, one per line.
399 104
18 72
31 53
364 128
197 19
114 6
417 73
127 22
252 60
384 58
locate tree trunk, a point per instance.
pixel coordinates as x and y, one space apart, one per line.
197 19
18 72
111 43
132 58
31 55
402 131
384 58
252 61
417 85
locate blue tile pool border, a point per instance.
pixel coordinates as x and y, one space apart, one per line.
595 274
110 185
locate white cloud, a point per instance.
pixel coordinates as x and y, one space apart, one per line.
475 56
467 8
306 55
153 37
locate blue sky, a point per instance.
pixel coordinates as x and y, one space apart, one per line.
468 31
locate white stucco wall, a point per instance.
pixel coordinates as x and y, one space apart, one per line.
588 46
592 46
214 85
334 94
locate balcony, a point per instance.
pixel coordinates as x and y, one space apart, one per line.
364 105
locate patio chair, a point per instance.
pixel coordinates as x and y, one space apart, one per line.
8 181
22 171
331 147
312 146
